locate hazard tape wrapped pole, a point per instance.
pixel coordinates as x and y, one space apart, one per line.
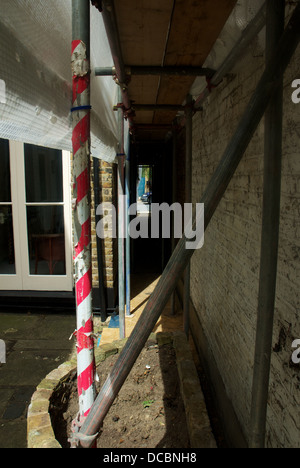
82 207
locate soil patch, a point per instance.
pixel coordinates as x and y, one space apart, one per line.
148 411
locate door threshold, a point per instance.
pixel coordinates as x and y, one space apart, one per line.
27 301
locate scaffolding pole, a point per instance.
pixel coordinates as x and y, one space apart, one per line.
174 197
270 235
121 218
111 27
127 223
150 70
211 199
82 204
188 199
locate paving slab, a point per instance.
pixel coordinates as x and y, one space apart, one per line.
36 344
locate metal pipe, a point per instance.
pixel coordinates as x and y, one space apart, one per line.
105 71
121 221
127 222
270 235
149 70
174 198
188 199
211 198
111 27
249 33
82 210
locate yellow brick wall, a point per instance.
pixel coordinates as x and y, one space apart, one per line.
106 183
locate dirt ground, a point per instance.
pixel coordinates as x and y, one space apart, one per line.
147 413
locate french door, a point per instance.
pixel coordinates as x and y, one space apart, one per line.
35 218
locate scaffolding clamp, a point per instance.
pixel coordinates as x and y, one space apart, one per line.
210 85
119 106
126 112
77 439
123 86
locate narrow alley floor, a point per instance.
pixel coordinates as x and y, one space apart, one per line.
37 343
142 287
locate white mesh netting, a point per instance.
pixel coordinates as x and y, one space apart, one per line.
35 77
35 72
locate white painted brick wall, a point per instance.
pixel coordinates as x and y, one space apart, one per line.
225 273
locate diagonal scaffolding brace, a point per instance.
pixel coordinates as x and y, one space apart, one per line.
269 238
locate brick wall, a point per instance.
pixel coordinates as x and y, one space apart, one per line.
225 273
107 181
107 194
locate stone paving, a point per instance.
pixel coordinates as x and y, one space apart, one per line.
35 344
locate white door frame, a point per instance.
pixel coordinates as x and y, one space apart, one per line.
13 282
23 280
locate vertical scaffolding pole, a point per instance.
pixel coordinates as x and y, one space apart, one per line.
82 209
188 199
121 219
174 194
270 234
127 222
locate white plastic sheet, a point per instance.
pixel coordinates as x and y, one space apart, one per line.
35 77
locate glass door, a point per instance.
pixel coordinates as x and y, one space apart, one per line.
9 276
45 211
42 235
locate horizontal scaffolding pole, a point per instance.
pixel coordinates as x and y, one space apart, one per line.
211 198
105 71
156 71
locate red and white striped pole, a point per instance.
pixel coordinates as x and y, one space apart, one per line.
82 204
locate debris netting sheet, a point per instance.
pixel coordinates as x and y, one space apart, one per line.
35 77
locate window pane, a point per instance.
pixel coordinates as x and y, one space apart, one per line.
4 172
7 255
43 174
46 240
